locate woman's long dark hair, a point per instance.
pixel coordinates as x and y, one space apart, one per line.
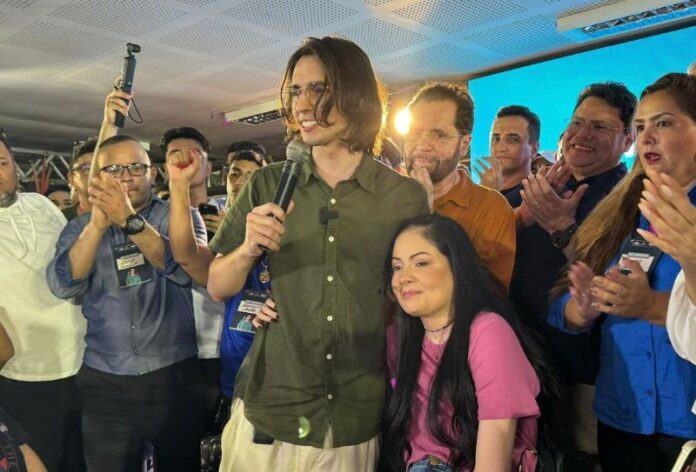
474 292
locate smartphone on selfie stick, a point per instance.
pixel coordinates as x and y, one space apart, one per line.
127 77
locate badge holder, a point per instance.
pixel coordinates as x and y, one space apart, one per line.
131 266
639 250
250 305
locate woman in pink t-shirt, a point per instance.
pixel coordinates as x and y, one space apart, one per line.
465 391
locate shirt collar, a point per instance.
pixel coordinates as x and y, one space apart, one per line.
612 175
459 194
154 199
365 173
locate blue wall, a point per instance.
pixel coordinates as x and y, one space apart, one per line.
550 88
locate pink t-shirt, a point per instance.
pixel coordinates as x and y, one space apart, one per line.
506 387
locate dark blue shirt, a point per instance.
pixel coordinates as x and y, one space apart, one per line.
234 344
133 330
537 267
643 386
513 195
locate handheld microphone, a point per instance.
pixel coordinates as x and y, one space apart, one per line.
297 153
127 77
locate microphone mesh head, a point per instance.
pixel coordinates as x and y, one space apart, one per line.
298 151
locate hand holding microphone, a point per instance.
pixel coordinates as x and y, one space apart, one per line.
264 224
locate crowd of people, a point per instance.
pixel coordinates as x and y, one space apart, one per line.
396 316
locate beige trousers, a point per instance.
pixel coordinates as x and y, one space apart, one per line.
241 454
585 421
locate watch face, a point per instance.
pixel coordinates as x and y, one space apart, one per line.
560 239
134 224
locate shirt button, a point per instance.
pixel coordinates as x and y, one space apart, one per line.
331 239
329 396
333 201
330 278
650 393
136 351
648 355
132 326
329 356
329 318
132 302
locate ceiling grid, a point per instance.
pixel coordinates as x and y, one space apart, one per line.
202 58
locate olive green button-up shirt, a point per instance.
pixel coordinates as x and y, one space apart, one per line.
323 364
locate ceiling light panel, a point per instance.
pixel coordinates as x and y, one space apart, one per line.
455 15
293 18
129 17
641 19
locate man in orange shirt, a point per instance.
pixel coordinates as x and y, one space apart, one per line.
442 117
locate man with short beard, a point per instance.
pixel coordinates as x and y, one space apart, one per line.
442 118
37 385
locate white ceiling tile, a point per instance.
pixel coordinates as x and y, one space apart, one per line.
520 38
239 80
197 3
274 62
218 39
378 37
20 4
293 18
56 39
439 59
128 17
455 15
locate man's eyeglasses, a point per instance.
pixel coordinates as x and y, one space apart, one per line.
82 169
599 127
312 92
135 170
433 136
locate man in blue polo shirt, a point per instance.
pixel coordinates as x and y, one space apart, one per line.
140 380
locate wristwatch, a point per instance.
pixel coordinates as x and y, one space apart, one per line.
134 224
560 239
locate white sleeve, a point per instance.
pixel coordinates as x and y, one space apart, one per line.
681 320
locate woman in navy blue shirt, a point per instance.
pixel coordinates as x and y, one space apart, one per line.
644 389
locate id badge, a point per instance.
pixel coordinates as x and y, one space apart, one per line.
639 250
249 307
131 266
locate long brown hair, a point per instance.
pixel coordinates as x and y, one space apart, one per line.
352 88
600 236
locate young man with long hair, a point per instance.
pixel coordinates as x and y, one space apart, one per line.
313 383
